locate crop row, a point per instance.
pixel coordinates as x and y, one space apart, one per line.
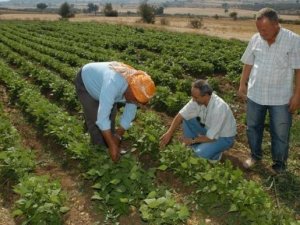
62 68
60 89
162 53
40 200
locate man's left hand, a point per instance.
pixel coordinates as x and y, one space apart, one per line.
186 141
294 104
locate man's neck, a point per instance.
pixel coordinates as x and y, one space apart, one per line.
273 39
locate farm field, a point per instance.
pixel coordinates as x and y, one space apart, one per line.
223 27
44 131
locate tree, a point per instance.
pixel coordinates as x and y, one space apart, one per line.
196 23
147 13
159 10
225 6
41 6
109 11
65 11
233 15
92 8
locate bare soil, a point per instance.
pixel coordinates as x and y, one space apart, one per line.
5 216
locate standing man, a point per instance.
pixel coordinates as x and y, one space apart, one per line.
271 63
208 123
99 87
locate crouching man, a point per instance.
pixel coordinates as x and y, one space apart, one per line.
209 126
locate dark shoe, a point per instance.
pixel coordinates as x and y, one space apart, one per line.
278 169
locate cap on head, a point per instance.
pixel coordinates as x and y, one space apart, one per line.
142 86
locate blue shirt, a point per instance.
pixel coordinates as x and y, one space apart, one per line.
108 87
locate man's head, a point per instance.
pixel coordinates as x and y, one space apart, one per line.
140 88
267 23
201 92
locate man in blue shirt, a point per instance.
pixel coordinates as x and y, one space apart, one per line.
99 87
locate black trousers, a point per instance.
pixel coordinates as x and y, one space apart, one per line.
90 110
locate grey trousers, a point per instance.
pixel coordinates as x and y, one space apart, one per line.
90 110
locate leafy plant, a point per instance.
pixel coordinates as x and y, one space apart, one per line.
163 209
15 163
119 185
145 135
41 201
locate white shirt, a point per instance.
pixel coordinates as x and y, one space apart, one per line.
217 117
272 74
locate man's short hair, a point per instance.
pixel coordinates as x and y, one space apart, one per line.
203 86
268 13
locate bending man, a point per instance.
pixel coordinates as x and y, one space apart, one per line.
99 87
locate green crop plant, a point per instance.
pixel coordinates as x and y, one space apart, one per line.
41 201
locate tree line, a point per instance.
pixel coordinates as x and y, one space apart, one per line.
145 10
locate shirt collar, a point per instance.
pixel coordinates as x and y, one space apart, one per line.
211 100
279 35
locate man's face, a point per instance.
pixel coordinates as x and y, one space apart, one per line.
195 92
267 29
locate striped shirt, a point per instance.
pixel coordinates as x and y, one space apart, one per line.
217 117
272 74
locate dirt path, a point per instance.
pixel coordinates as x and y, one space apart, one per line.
77 200
5 216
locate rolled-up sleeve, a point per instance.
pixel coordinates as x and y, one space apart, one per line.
190 110
128 115
248 56
294 56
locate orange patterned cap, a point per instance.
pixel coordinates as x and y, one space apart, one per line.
142 86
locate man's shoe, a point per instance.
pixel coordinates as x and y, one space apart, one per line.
248 163
278 169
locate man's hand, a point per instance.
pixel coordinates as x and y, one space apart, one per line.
294 104
114 153
242 92
165 139
117 139
186 141
113 145
120 131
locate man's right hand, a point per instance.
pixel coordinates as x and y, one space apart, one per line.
113 145
242 92
165 139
